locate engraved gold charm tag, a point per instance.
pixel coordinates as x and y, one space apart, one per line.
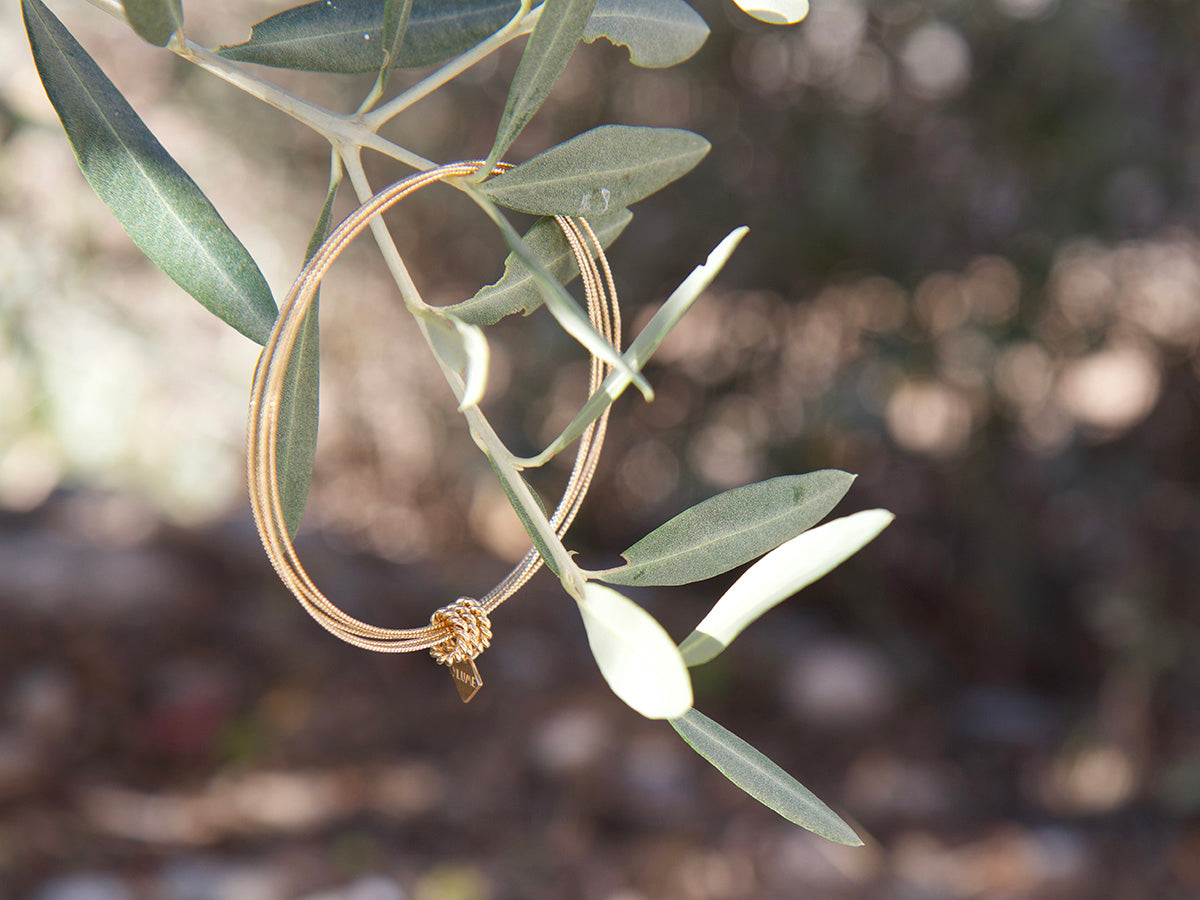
466 679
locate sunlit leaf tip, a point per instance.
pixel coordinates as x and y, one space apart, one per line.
782 572
775 12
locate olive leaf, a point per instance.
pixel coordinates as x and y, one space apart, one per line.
644 345
517 290
463 348
154 20
730 529
300 397
791 566
635 654
157 204
347 36
658 33
558 30
603 169
762 779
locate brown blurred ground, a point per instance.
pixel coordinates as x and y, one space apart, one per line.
973 277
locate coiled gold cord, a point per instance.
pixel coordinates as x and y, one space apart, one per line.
459 632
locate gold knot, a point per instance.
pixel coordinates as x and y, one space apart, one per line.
469 631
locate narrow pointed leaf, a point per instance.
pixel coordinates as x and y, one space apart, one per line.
517 290
346 36
607 168
300 399
562 306
785 570
731 529
636 656
645 344
658 33
558 30
157 204
154 20
762 779
396 14
299 406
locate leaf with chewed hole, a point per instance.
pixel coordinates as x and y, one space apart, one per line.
658 33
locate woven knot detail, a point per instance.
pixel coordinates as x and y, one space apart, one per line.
469 631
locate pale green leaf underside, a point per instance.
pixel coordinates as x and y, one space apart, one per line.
635 654
658 33
346 36
160 207
517 289
553 41
786 569
154 20
762 779
731 529
603 169
464 349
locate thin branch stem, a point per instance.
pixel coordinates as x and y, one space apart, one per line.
521 23
383 238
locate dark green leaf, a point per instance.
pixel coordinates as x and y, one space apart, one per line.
155 201
607 168
517 290
731 528
299 405
658 33
347 35
154 20
762 779
299 402
395 23
550 46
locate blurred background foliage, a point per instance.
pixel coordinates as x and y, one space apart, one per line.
972 277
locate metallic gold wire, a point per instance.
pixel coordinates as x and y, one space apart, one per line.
461 630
